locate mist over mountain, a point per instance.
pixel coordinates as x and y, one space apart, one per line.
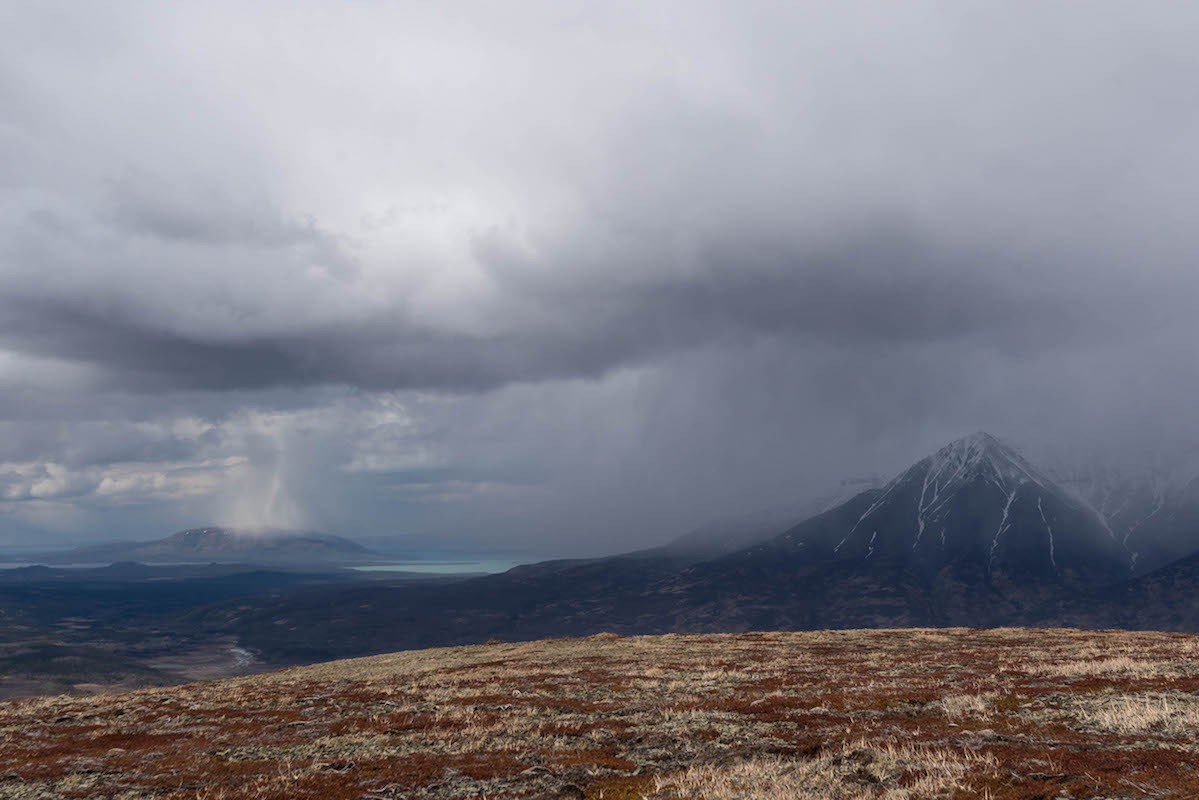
1152 508
724 536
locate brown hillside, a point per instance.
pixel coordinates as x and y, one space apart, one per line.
844 714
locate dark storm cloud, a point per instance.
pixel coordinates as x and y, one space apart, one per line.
875 290
696 256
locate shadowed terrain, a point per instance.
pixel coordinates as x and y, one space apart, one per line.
118 626
958 713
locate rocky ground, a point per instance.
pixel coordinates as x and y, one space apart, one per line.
999 714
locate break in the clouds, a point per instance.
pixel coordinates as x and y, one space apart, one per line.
575 276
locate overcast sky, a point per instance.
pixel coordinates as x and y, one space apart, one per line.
575 277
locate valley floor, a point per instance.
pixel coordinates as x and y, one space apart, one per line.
1008 713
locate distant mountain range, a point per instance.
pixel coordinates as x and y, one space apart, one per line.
971 535
215 544
1152 509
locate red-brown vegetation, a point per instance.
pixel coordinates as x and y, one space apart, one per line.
1000 714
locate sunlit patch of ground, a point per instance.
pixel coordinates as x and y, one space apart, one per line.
999 714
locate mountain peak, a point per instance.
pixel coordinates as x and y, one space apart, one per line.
968 458
977 502
980 443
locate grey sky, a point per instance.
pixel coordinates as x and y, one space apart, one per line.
575 276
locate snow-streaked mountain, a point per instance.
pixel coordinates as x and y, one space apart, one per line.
1148 504
978 507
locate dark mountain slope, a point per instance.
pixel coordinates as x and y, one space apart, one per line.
1166 599
534 602
971 535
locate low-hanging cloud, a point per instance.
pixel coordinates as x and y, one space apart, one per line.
601 272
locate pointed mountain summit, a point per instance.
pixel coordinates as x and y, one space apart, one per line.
977 508
970 535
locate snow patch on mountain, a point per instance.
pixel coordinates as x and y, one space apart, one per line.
979 456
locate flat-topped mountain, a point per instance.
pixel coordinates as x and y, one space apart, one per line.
225 544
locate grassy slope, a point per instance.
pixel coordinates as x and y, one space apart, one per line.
852 714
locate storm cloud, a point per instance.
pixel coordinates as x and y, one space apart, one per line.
576 277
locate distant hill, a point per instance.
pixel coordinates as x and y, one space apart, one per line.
203 545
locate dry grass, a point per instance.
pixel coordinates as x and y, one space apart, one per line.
1122 666
974 706
861 771
1169 715
1004 714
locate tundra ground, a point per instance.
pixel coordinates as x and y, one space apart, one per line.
999 714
